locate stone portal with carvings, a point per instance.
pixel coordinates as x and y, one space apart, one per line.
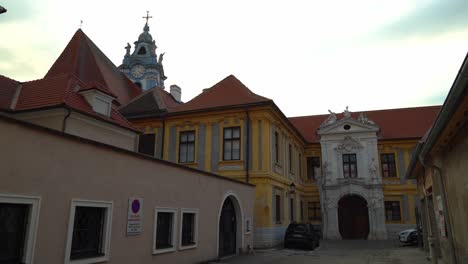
350 143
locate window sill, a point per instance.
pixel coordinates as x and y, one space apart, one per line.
231 162
188 246
164 250
89 260
191 163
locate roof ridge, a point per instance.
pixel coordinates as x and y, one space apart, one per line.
137 97
366 111
87 40
10 79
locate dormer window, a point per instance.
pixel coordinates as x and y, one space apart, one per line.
99 101
102 107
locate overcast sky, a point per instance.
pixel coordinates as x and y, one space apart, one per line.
308 56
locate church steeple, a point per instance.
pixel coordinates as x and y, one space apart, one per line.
143 66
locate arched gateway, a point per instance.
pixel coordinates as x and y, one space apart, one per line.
353 217
230 225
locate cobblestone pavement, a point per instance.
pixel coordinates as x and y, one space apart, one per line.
343 252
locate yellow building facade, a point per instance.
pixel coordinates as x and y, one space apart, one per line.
247 137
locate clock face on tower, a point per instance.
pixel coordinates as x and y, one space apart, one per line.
137 71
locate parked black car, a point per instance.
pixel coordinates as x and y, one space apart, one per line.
301 235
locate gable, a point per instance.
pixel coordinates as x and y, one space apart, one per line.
345 126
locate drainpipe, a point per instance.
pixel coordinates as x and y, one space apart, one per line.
162 139
247 158
445 211
64 124
430 237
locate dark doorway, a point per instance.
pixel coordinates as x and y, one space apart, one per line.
13 221
227 229
353 217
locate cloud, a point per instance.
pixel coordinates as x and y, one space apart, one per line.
435 98
19 11
435 18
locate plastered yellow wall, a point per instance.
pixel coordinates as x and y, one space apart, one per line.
267 174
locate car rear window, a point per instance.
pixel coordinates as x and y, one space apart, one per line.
297 228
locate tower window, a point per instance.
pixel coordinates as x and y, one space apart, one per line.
142 51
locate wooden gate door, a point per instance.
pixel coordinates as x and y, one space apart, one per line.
353 217
227 229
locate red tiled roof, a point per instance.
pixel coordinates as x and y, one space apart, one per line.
7 91
59 91
97 86
83 58
228 92
167 99
394 123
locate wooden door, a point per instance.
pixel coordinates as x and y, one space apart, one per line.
227 229
353 217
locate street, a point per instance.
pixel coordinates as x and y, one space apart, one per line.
343 251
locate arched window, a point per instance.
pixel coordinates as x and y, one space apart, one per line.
142 51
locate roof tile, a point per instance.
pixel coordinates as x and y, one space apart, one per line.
84 59
59 91
228 92
7 91
399 123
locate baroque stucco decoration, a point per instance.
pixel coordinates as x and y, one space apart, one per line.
349 144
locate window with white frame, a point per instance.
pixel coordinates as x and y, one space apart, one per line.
164 230
188 228
18 227
89 228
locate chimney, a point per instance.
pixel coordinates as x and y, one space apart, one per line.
176 92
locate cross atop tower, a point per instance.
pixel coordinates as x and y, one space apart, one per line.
147 16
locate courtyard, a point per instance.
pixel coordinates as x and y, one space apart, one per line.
338 251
